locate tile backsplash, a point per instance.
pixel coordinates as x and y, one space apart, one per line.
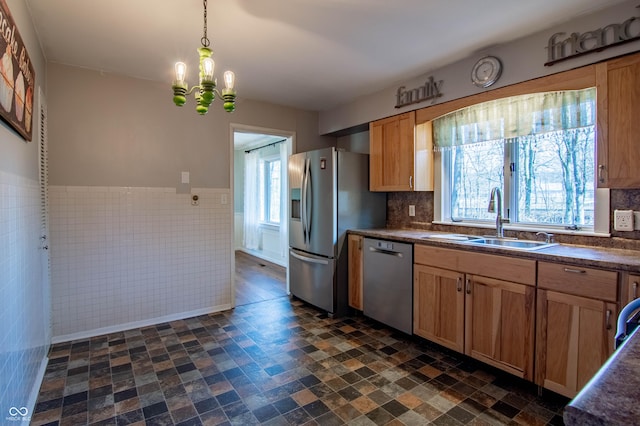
124 256
24 312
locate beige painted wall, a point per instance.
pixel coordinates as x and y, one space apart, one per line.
522 59
110 130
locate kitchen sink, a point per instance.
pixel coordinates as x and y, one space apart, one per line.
512 244
452 237
508 243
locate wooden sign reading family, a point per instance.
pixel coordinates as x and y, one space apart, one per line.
577 44
17 78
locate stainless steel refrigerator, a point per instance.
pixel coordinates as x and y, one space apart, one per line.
328 194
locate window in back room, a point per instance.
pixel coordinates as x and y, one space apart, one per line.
539 149
269 190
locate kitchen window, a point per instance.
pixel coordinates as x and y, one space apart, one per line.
269 191
539 149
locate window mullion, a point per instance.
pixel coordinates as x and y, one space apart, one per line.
511 180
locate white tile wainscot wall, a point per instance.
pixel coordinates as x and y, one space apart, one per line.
127 257
24 312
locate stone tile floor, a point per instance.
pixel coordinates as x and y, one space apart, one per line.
279 362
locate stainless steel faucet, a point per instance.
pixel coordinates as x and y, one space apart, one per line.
496 198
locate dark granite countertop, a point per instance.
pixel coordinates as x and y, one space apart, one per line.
587 256
611 396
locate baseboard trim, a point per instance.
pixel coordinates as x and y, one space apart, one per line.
35 390
138 324
259 254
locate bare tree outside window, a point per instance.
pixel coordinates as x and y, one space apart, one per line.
549 171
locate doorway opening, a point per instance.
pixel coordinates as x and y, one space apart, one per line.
260 213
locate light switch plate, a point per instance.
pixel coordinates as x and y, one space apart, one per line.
412 210
185 177
636 221
623 220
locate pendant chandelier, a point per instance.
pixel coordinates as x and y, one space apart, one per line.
206 90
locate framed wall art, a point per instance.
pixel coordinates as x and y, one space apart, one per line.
17 77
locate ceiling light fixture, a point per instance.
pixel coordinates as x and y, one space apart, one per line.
207 88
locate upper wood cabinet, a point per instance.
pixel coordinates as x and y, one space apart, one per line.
401 155
618 109
356 265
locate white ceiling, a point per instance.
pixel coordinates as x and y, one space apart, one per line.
310 54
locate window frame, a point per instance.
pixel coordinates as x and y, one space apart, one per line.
266 190
579 78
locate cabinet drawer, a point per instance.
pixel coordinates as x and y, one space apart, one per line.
504 268
587 282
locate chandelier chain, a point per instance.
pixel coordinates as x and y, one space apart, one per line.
205 40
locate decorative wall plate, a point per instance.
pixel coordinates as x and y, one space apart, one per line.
486 71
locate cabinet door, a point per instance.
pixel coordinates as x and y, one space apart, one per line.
633 290
575 335
355 271
500 324
438 306
391 145
618 108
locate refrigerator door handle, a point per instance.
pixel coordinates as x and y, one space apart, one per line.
309 259
309 200
304 202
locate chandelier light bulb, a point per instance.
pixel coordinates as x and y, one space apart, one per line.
229 79
208 66
181 71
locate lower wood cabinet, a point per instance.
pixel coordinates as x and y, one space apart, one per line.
438 306
575 332
500 321
489 319
632 290
575 337
355 271
549 323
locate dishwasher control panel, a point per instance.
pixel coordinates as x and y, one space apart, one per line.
384 245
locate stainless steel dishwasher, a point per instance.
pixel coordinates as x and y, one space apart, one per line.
388 283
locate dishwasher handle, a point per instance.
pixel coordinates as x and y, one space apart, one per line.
383 251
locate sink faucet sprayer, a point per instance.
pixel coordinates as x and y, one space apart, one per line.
496 198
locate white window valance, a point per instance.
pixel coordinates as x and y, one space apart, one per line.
505 119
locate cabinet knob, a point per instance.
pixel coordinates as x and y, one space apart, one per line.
459 283
410 182
635 289
608 319
468 285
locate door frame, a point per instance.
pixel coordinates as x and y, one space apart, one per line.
291 148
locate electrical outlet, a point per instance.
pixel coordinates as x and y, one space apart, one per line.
623 220
636 221
412 210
